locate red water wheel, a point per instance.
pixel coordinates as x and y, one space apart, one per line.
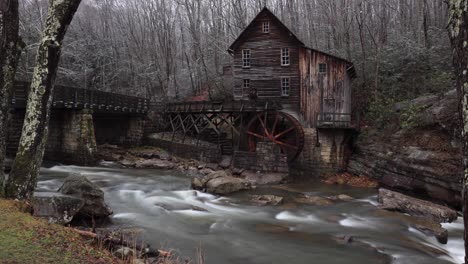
277 127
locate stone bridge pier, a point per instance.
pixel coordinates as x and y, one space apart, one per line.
75 134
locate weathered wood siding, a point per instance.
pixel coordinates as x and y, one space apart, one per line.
316 89
266 71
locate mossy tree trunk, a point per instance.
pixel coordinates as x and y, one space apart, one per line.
458 31
10 50
23 177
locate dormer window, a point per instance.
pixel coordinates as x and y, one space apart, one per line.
285 57
266 26
246 56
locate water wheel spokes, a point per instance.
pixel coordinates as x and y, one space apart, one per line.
279 128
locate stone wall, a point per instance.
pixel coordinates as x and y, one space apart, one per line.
73 135
267 158
78 144
326 151
202 153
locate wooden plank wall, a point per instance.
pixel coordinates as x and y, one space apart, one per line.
334 84
266 71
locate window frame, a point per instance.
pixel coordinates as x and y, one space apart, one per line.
246 59
246 89
266 25
283 86
285 57
320 68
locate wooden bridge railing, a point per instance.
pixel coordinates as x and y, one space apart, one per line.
78 98
221 106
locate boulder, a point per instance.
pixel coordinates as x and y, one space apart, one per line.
206 171
127 163
225 162
237 171
395 201
124 253
212 166
266 199
199 183
56 207
341 197
264 178
226 185
154 164
313 200
93 197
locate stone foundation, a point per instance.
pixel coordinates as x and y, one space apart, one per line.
267 158
326 151
73 135
201 153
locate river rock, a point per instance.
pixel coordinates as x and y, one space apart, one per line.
264 200
264 178
226 185
56 207
313 200
341 197
225 162
154 164
199 183
124 253
127 163
94 205
206 171
395 201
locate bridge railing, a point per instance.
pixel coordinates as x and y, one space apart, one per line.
78 98
221 106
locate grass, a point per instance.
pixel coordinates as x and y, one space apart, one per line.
26 239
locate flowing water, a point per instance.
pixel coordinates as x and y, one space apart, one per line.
232 230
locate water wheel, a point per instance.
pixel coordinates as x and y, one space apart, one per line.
279 128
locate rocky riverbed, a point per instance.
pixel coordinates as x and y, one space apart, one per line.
267 224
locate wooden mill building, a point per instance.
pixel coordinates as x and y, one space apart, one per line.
292 104
272 64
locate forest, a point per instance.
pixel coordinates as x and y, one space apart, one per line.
234 131
177 49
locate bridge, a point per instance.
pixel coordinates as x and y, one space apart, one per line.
80 120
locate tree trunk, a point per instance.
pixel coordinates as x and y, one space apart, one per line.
10 50
458 31
23 177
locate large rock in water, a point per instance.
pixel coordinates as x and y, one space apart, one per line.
226 185
93 197
57 208
395 201
423 157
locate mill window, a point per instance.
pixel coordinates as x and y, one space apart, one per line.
284 56
246 87
323 68
266 26
285 87
246 56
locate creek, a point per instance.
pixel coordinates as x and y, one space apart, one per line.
233 230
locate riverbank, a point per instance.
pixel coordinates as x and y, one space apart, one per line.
26 239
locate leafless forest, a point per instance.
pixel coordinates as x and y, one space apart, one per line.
165 48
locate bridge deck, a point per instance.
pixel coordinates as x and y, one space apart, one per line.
78 98
221 107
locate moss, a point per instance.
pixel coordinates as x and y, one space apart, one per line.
25 239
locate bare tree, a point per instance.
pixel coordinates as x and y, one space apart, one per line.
23 177
458 31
